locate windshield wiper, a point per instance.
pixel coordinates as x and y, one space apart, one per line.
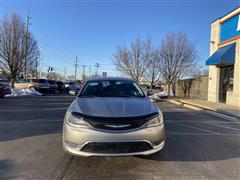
87 96
124 96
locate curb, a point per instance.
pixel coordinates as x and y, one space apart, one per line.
175 102
210 112
222 116
193 107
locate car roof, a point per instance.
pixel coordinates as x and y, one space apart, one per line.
109 78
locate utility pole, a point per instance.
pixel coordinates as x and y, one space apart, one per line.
83 75
26 45
65 73
36 68
90 71
97 66
1 9
40 64
76 66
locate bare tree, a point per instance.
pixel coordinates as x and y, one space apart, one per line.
178 57
33 70
201 71
15 56
71 77
55 76
153 70
133 61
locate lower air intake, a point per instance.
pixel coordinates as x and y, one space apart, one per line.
116 147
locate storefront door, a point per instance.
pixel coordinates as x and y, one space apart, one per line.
226 82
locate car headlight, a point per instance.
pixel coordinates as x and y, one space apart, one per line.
156 121
77 121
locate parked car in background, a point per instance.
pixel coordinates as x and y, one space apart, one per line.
40 85
113 117
4 87
53 85
69 86
74 92
60 86
72 86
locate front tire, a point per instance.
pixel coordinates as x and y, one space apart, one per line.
33 88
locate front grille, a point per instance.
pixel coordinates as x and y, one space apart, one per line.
116 147
116 123
117 126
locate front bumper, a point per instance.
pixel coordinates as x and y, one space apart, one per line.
5 91
74 140
53 89
44 88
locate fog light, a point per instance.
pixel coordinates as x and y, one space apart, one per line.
72 145
156 143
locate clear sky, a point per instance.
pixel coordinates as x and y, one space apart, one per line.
91 30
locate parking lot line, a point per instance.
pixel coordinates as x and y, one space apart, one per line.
213 121
200 129
202 134
212 124
31 121
168 131
42 109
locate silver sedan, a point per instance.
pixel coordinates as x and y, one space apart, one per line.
113 117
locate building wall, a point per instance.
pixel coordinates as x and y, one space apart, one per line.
196 88
233 97
214 72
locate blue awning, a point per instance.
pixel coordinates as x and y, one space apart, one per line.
223 56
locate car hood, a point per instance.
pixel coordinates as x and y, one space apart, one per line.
114 107
4 84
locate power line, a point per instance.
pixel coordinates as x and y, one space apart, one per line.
65 73
1 4
89 70
97 65
40 63
26 45
76 66
83 74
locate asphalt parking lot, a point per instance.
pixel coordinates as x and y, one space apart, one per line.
198 146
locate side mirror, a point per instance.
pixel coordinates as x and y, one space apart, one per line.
74 92
77 91
150 93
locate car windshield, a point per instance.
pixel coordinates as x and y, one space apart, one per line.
51 82
4 80
35 80
112 88
42 81
59 83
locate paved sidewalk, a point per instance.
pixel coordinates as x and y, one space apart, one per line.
217 107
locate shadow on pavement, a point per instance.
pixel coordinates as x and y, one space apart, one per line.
197 148
22 130
5 167
31 116
177 148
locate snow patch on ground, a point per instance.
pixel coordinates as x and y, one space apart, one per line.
165 93
24 92
158 95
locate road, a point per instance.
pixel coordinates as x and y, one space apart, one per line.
198 146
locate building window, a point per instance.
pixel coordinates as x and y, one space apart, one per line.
228 77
